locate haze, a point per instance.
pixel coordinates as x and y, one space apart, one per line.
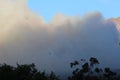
26 38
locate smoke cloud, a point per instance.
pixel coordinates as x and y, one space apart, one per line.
26 38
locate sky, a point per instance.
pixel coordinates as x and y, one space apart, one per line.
48 8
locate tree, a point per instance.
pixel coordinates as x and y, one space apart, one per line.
88 71
24 72
52 76
7 72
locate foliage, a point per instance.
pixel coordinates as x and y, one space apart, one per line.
24 72
88 70
83 70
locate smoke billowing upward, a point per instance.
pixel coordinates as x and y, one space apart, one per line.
25 38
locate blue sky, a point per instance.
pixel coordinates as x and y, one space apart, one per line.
48 8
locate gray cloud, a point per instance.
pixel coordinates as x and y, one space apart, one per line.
25 38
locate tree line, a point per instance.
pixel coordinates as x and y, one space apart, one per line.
24 72
90 70
82 70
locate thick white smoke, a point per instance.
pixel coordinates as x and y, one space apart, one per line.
25 38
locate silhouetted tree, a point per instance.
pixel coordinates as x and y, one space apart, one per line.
7 72
88 71
24 72
52 76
